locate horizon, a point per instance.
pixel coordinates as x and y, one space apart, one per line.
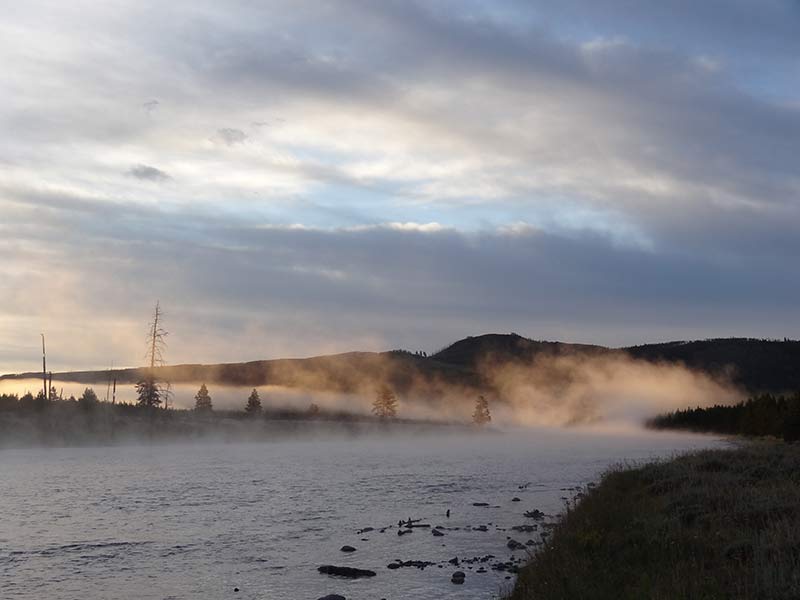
784 339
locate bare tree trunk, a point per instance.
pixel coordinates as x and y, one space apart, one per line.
44 369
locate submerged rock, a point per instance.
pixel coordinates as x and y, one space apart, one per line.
347 549
458 577
437 533
535 514
480 504
515 545
333 597
349 572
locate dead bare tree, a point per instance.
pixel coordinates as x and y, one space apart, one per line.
149 389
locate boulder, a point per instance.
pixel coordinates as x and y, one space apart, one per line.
437 533
347 549
515 545
349 572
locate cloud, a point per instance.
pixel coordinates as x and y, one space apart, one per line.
148 173
232 136
566 170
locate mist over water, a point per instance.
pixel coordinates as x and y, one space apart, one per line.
548 390
194 521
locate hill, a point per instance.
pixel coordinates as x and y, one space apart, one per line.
752 364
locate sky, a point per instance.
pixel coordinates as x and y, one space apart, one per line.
291 178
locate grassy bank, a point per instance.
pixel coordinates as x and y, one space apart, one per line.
713 524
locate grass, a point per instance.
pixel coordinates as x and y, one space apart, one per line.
707 525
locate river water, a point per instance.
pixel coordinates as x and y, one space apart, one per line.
197 521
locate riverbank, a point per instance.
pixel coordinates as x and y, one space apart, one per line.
711 524
66 424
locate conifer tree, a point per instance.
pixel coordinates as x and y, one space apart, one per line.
385 404
202 400
148 389
88 400
481 416
253 406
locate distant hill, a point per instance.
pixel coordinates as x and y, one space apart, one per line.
497 347
755 365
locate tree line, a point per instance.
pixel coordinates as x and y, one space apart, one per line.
760 415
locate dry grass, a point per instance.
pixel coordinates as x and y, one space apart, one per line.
712 524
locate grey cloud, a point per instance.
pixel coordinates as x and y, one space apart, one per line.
232 136
148 173
426 103
402 287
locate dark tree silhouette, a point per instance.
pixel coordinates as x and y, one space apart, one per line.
149 391
253 406
202 400
88 400
760 415
481 416
313 410
385 404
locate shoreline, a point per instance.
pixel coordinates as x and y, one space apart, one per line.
707 524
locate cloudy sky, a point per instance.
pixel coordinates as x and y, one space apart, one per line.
299 177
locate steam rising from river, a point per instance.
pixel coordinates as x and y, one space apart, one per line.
574 389
547 391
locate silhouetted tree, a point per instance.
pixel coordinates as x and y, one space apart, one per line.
757 416
385 404
88 400
481 416
41 401
27 401
313 410
202 400
253 406
150 393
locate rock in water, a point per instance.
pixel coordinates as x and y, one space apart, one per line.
347 549
333 597
515 545
349 572
480 504
535 514
437 533
458 577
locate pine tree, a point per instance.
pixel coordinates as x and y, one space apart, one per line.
253 406
88 400
148 390
481 415
385 404
202 400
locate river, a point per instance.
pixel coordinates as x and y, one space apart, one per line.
199 521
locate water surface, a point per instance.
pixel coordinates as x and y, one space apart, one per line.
195 521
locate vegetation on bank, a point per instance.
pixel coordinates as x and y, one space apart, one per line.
763 415
30 420
707 525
